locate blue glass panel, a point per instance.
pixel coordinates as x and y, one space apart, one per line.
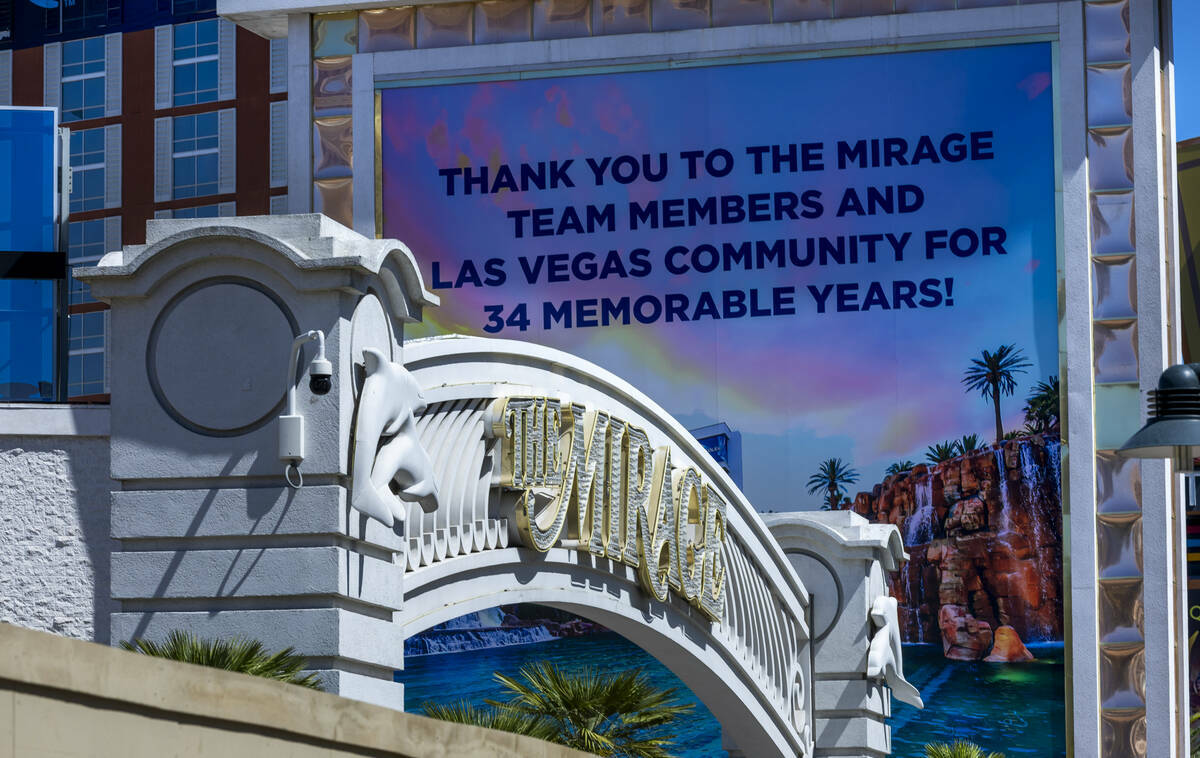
26 340
206 82
184 177
185 85
185 129
27 179
206 173
72 56
206 125
72 101
185 38
93 97
206 34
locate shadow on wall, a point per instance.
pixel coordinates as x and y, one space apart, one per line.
87 463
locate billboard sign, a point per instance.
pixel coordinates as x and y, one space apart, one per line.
851 261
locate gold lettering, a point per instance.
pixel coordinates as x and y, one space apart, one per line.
639 480
628 502
712 588
687 525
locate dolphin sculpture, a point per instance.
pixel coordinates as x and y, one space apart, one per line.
885 659
386 447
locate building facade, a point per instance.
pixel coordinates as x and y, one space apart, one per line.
173 113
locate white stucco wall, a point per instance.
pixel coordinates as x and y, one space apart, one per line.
54 520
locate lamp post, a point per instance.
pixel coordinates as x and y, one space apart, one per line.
1173 431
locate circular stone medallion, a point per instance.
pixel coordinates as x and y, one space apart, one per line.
217 356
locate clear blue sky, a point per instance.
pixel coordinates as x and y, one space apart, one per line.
1187 69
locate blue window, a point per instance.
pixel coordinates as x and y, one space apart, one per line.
83 79
81 15
85 248
187 7
85 353
194 156
196 62
198 211
87 170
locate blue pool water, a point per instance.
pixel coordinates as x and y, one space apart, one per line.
1016 709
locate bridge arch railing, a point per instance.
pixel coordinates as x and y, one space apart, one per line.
762 630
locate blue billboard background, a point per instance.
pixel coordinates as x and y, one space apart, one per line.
811 252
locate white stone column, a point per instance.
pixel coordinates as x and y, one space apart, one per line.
211 538
843 561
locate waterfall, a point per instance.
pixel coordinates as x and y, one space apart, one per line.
442 640
1054 456
478 620
1033 479
918 529
912 599
1005 525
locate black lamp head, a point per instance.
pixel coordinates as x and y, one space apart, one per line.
1174 415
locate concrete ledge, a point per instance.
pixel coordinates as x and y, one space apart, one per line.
263 511
54 420
257 572
70 698
853 736
857 695
314 632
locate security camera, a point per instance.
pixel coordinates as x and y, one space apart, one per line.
291 423
320 376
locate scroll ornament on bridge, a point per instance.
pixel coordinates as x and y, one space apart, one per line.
885 658
390 465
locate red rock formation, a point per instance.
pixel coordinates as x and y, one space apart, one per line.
1008 648
984 537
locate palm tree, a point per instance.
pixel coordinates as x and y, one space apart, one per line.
968 443
504 719
1041 407
959 749
942 451
600 713
992 375
898 467
830 477
240 655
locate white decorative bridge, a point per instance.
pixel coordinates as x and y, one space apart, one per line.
449 475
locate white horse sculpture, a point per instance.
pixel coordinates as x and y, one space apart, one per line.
884 661
386 448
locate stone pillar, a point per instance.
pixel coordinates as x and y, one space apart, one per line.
211 538
843 561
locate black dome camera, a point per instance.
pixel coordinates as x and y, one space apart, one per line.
320 376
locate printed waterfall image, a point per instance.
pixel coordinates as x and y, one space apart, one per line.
982 525
865 303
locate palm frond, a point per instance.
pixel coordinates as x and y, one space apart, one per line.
898 467
241 655
957 749
504 719
941 451
830 476
993 371
608 715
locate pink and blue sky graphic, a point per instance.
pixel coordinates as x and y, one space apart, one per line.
870 386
